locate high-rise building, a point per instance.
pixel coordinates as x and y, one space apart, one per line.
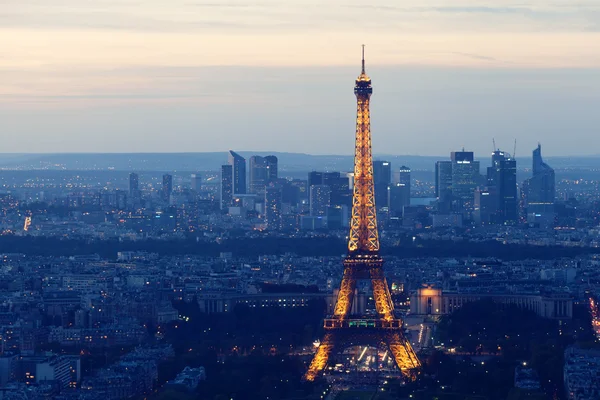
226 186
273 200
398 198
196 182
382 171
404 177
238 163
539 192
134 184
315 178
340 188
541 187
382 177
485 207
134 189
258 174
320 199
303 188
502 176
350 176
465 178
337 217
290 192
443 181
272 168
167 187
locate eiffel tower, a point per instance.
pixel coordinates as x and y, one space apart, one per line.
363 262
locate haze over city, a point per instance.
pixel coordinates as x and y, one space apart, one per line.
153 76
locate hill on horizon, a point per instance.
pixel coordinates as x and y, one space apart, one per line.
211 161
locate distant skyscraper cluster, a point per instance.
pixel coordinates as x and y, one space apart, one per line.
329 200
461 190
162 196
392 188
263 190
496 201
464 195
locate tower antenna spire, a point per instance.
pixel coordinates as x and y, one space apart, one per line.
363 58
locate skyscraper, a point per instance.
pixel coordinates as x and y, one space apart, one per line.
465 178
273 168
339 185
196 182
315 178
258 174
340 188
273 200
320 199
290 192
382 177
502 176
303 188
541 187
443 180
485 210
226 186
238 164
539 191
167 187
398 198
134 184
404 177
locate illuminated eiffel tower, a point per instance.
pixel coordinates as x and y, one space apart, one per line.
364 262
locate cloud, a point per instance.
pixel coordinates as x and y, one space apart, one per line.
476 56
113 96
483 10
102 20
225 5
448 9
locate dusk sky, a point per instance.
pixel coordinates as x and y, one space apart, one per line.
278 75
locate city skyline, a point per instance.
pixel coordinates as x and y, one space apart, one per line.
448 73
195 204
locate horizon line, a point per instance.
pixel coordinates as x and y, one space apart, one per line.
260 151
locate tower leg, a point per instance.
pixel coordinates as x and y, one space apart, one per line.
343 305
403 353
319 362
381 294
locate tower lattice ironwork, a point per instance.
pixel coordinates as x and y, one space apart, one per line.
363 262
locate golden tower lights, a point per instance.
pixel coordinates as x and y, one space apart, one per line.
363 262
